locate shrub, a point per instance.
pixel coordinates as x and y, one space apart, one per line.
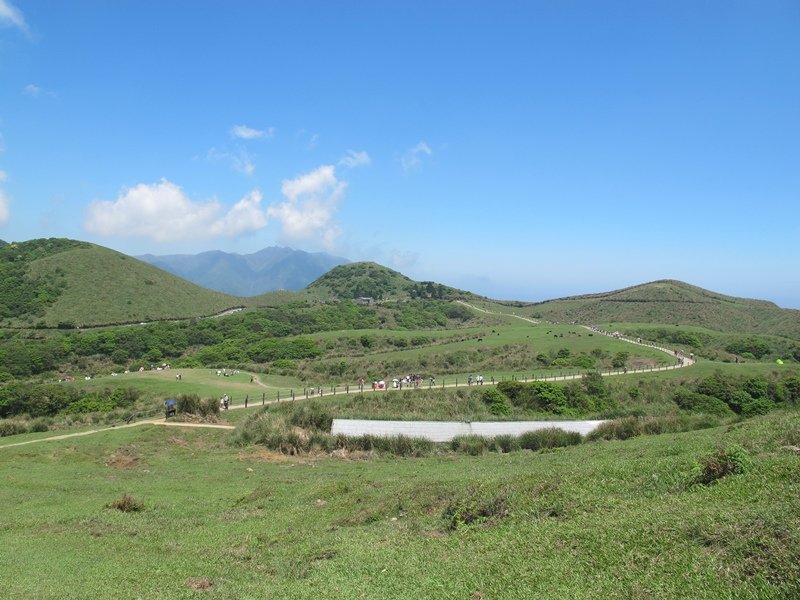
89 404
497 401
756 406
734 460
619 360
188 403
9 427
701 403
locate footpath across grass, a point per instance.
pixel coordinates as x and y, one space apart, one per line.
602 519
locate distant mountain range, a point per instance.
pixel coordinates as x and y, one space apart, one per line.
268 270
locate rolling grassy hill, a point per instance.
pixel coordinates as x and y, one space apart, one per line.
62 282
672 302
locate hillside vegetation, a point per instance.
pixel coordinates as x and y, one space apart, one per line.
673 303
65 283
371 280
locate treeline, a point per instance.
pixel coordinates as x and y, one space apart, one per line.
257 336
726 395
45 400
588 395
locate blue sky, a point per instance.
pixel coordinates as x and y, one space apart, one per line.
521 150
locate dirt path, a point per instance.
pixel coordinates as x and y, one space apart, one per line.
499 314
159 421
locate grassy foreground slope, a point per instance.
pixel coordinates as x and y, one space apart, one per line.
599 520
101 286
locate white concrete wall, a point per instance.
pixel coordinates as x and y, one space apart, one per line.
444 431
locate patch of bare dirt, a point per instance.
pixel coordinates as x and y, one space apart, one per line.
270 456
176 441
124 458
199 583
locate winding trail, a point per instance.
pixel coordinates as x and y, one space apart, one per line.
680 362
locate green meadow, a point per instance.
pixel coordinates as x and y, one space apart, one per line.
602 519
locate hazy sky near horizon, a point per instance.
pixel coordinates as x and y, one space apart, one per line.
521 150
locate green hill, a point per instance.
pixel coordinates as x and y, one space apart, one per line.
371 280
673 303
58 282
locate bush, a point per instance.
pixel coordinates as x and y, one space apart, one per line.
734 460
701 403
497 401
90 404
188 403
756 406
619 360
9 427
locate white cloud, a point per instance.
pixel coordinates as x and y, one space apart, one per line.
11 16
413 157
355 159
5 208
162 212
312 143
246 215
248 133
312 200
3 175
31 89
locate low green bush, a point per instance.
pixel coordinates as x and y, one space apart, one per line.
733 460
497 401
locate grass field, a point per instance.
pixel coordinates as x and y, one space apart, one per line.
610 519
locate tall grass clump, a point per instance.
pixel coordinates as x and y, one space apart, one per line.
396 445
192 404
627 427
552 437
474 445
311 415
